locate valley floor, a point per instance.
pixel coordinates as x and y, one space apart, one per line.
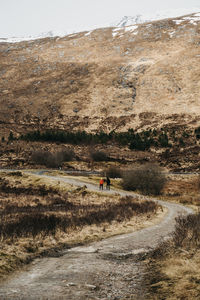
114 267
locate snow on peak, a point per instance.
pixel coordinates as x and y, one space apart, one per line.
138 19
128 20
125 23
49 34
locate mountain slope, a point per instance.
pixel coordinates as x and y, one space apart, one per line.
139 76
160 15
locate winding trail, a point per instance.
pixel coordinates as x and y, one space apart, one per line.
109 269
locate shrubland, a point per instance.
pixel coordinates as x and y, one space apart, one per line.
39 216
173 268
136 140
52 159
148 179
174 147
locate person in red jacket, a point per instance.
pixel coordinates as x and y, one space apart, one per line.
101 182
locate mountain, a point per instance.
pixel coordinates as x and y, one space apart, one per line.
143 18
102 74
128 20
108 78
143 76
43 35
125 21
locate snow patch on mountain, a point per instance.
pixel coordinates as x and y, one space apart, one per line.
139 19
128 20
131 28
128 23
49 34
193 19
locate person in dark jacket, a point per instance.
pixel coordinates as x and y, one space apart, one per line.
107 183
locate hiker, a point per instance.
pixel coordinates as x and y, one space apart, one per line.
107 183
101 182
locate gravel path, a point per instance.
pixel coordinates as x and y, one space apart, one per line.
109 269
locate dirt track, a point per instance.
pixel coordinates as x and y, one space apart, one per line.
109 269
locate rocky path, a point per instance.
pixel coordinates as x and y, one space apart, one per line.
109 269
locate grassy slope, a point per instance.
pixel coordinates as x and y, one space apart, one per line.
173 268
89 221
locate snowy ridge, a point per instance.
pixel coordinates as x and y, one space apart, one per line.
128 20
119 31
128 23
48 34
139 19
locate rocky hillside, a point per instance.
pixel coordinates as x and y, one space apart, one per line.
139 76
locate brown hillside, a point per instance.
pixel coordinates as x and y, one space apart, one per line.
139 76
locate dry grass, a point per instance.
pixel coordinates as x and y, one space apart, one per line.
183 271
183 189
94 179
174 266
79 217
173 269
176 277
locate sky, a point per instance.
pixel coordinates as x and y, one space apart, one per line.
31 17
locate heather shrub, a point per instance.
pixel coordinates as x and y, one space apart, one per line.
63 215
38 157
52 160
148 179
187 231
98 156
113 172
67 154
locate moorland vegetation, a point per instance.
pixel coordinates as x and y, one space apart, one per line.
136 140
33 214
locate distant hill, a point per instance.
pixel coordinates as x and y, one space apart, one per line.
138 76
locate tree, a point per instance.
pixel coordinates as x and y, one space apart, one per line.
10 137
163 140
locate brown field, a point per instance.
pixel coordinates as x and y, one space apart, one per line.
173 268
109 79
104 79
183 189
40 216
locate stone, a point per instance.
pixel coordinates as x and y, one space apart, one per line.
91 286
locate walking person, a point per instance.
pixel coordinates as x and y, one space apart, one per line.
101 182
107 183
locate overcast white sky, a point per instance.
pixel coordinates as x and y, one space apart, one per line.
32 17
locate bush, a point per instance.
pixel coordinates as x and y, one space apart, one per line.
15 173
198 182
163 140
24 221
99 156
181 142
139 143
52 160
38 157
10 137
187 232
197 133
113 172
67 155
148 179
